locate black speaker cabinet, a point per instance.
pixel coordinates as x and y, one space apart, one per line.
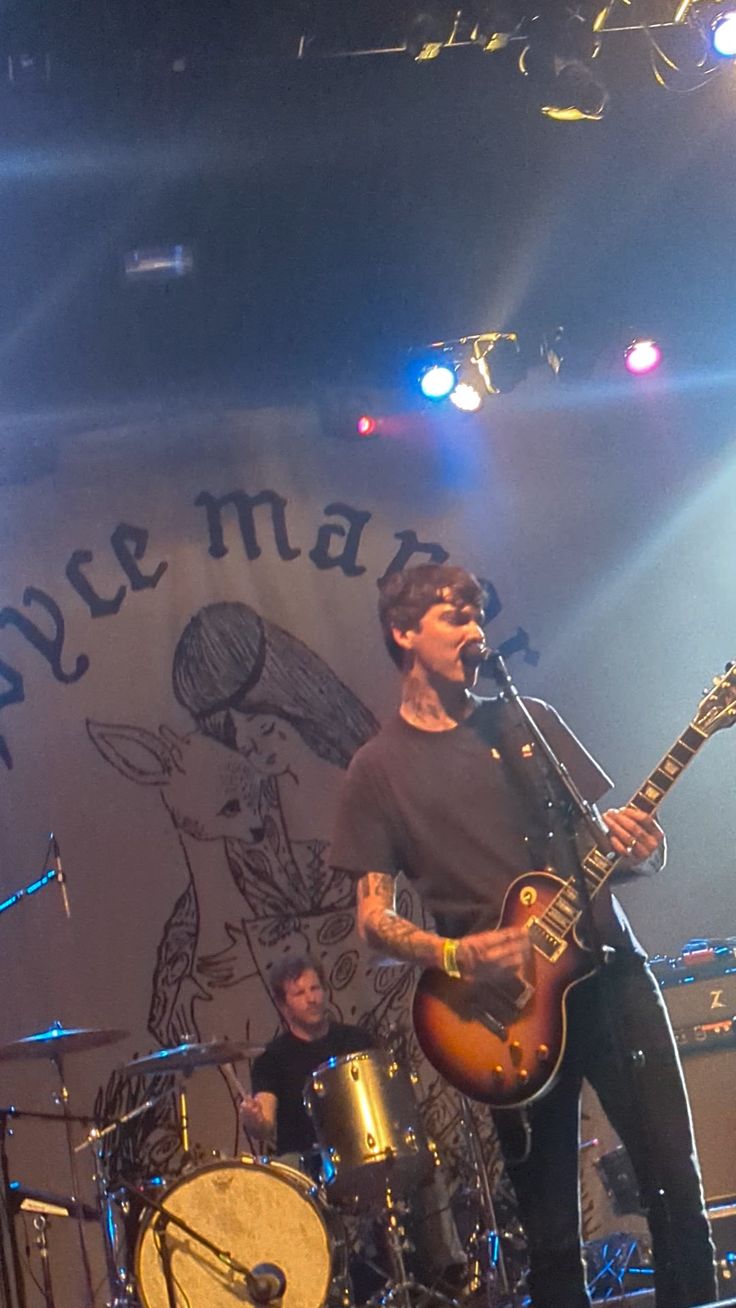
702 1011
710 1076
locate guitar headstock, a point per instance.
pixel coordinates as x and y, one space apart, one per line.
717 709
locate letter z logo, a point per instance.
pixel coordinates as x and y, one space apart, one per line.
716 1000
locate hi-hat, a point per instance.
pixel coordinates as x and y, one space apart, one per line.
58 1040
184 1058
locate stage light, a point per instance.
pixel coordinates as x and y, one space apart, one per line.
366 426
437 381
492 24
576 95
466 397
723 34
432 28
497 358
642 356
158 263
559 61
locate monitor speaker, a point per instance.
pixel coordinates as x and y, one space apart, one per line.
710 1076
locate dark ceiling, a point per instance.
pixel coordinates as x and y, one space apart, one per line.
340 210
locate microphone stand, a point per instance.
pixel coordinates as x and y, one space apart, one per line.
565 798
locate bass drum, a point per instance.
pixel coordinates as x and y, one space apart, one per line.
258 1213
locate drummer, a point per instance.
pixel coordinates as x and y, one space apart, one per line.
275 1111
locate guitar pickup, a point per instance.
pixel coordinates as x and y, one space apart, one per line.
545 941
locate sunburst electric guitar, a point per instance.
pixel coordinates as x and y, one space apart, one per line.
502 1045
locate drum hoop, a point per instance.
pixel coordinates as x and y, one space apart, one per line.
380 1056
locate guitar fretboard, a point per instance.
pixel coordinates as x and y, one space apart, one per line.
564 912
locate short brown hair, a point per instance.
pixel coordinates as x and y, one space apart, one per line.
290 969
406 596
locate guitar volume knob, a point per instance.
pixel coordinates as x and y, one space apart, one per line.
543 1053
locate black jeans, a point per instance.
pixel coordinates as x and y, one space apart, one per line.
642 1092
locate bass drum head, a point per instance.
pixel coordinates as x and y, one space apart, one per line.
259 1215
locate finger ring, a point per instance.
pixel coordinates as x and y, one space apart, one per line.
631 847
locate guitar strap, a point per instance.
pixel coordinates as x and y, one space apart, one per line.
500 729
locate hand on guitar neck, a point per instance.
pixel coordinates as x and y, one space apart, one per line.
634 835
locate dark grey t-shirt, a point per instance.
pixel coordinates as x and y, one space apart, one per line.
460 813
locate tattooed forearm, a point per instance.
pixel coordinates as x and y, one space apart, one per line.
386 931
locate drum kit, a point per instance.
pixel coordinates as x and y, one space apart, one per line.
248 1229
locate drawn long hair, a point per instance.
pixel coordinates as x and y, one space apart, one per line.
229 658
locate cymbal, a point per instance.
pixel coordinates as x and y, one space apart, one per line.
184 1058
58 1040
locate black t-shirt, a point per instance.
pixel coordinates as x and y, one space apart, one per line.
461 813
283 1070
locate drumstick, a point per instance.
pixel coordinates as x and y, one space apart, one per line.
239 1092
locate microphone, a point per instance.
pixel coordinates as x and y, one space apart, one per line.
268 1282
60 874
476 652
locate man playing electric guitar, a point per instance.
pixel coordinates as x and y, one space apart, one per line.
446 794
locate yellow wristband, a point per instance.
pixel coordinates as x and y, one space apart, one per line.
449 957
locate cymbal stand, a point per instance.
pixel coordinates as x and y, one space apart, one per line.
63 1099
119 1276
401 1289
397 1288
12 1287
40 1224
488 1265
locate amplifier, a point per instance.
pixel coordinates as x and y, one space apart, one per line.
699 989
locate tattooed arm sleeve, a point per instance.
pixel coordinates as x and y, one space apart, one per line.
388 933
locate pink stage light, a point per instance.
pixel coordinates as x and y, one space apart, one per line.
642 356
366 426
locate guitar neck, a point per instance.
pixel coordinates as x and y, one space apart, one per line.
564 913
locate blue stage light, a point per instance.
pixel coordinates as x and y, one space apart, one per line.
723 34
437 381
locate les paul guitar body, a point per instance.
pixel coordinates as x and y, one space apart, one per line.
499 1046
503 1044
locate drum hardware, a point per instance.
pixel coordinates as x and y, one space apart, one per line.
183 1059
29 1200
40 1223
401 1288
118 1273
488 1271
96 1134
11 1273
54 1043
19 1114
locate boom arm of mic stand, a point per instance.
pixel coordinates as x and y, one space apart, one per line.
39 884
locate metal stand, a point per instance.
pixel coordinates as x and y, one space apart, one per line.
12 1289
40 1224
401 1289
63 1096
488 1271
